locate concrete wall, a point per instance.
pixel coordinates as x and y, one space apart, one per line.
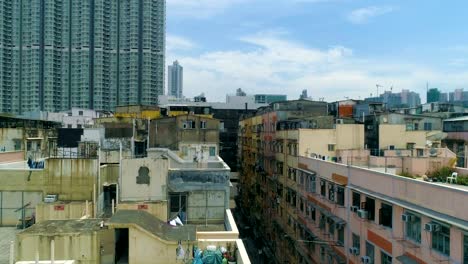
83 248
346 136
7 137
72 179
109 174
11 156
147 249
156 190
11 201
397 136
62 211
158 209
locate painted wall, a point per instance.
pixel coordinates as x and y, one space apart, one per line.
157 209
12 156
345 136
397 136
62 211
72 179
83 248
155 190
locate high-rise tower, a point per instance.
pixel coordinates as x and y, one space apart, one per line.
95 54
175 80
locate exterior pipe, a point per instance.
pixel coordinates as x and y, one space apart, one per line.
52 252
12 252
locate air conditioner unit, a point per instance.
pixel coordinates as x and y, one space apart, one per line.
407 218
363 214
340 121
432 227
354 251
354 208
366 260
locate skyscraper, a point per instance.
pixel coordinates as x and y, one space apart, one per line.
95 54
175 80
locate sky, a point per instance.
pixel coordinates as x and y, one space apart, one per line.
333 48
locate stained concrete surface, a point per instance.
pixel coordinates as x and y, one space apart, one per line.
7 234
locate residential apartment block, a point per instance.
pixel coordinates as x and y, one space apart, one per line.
314 193
97 54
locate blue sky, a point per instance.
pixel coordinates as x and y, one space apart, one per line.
332 48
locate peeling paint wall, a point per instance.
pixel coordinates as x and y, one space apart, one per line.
62 211
83 247
155 190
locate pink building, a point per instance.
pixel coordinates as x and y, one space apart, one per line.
349 214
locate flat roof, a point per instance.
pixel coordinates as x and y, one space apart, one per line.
461 118
153 225
63 227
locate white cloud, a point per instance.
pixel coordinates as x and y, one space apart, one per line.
363 15
273 64
174 43
199 8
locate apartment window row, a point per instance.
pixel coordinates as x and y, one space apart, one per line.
292 174
367 210
293 149
335 193
307 181
191 124
439 232
369 250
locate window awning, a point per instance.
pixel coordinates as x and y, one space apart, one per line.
404 259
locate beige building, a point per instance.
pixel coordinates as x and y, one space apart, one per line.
398 137
129 236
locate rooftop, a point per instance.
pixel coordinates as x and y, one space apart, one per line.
152 225
461 118
54 227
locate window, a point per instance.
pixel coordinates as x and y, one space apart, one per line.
441 240
357 242
340 195
203 124
17 143
385 215
221 125
331 192
301 205
416 126
331 229
143 176
69 114
331 147
340 236
465 249
370 249
312 213
69 126
79 126
80 113
212 151
413 228
323 185
410 145
357 199
188 124
312 184
322 221
370 208
385 258
428 126
178 205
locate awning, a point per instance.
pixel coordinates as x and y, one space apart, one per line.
406 260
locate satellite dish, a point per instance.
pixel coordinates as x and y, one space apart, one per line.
433 152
